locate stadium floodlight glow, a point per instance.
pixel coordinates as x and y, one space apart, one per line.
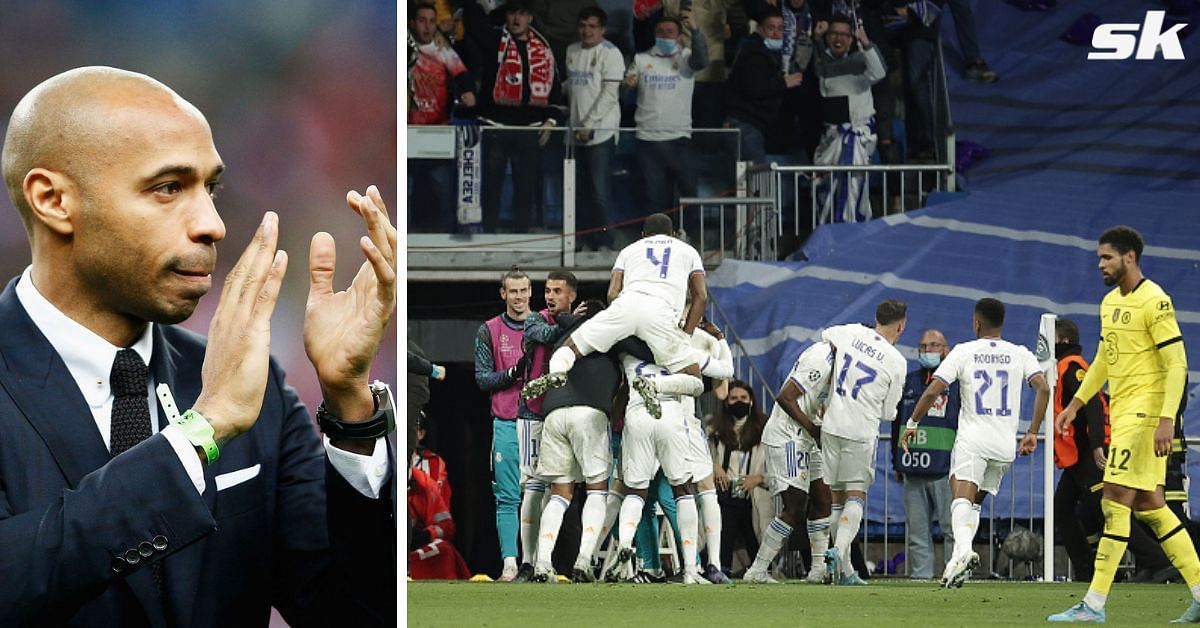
1118 41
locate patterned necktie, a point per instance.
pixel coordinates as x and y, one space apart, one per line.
129 381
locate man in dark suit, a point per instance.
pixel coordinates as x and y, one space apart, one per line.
111 518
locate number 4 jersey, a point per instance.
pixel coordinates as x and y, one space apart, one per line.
659 266
990 373
867 381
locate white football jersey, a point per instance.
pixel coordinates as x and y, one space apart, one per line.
866 383
660 266
715 360
990 373
811 374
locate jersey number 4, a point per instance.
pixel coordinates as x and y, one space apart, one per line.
869 375
661 263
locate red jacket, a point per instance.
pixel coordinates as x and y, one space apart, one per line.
428 515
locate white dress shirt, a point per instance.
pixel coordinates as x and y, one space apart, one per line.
89 360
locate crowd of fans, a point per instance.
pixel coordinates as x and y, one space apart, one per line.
816 81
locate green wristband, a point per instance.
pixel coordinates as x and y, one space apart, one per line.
200 433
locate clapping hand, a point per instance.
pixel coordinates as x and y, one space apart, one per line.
343 329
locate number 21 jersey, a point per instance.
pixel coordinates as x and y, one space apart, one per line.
991 373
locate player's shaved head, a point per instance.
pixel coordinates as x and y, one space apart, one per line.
67 124
658 224
990 313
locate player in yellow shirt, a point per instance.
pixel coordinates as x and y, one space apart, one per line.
1141 356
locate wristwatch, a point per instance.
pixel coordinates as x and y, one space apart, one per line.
381 423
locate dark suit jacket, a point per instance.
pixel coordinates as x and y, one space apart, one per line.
78 527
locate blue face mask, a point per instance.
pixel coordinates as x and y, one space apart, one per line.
773 44
929 360
665 46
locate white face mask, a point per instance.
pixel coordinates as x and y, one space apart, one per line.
773 44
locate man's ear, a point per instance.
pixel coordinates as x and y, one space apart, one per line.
53 199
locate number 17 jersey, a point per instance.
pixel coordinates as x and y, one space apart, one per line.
866 382
991 373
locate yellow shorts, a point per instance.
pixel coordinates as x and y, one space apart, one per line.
1131 459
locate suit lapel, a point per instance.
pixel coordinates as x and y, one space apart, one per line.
182 374
43 389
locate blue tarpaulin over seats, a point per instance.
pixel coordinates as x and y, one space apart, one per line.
1032 249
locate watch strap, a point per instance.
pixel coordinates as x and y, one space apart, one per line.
200 433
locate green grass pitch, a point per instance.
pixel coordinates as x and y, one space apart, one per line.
883 604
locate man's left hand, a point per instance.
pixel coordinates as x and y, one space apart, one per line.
1028 444
342 330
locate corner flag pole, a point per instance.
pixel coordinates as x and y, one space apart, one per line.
1045 355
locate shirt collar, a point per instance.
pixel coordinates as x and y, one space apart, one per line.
89 358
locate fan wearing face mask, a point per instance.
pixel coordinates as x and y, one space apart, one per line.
665 77
925 467
757 83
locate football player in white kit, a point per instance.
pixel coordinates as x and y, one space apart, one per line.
710 341
650 280
790 441
988 370
866 383
648 443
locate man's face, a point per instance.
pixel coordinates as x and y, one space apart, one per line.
424 25
590 32
796 4
515 293
559 296
145 241
933 342
771 28
1113 265
838 38
518 22
666 30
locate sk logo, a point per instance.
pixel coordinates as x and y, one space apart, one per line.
1118 41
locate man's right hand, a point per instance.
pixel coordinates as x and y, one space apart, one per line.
1064 419
234 374
1099 458
794 79
820 28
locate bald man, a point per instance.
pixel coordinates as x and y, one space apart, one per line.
153 477
925 467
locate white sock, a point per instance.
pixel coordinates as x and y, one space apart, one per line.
818 539
689 523
552 516
593 524
960 518
1094 600
774 537
510 563
562 360
973 521
835 518
612 508
851 518
1195 589
710 516
630 517
531 514
679 384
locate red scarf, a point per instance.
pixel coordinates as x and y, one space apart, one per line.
643 8
509 90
